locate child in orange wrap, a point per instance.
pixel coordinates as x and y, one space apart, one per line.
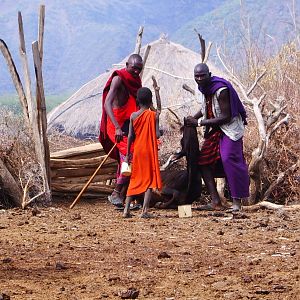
144 131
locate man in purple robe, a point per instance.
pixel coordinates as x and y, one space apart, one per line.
224 118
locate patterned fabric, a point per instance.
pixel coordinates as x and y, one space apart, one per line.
210 150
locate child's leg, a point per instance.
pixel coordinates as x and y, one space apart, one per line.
147 199
126 213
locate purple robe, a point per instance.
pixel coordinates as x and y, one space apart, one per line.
231 152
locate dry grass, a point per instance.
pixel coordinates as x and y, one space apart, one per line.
281 80
17 152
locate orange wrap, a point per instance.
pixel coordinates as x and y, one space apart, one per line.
145 165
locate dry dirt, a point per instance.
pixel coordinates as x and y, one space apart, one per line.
90 252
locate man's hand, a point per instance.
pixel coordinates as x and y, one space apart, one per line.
118 135
190 121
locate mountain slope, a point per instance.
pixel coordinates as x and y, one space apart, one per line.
83 38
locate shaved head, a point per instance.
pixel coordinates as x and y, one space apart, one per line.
134 64
135 58
201 68
202 75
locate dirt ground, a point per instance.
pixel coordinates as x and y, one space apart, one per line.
90 252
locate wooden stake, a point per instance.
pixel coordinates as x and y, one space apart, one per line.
31 107
145 57
157 95
30 102
41 31
41 51
40 86
92 177
138 43
15 78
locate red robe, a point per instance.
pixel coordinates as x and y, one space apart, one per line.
122 114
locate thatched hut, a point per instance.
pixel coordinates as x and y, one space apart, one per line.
170 63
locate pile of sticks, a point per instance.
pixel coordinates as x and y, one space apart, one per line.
72 168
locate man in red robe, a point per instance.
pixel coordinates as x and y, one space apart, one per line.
118 103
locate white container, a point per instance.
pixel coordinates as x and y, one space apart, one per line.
125 169
185 211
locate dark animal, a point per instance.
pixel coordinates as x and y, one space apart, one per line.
181 186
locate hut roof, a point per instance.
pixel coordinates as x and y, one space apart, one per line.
170 63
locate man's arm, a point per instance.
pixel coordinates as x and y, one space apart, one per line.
192 121
112 93
225 116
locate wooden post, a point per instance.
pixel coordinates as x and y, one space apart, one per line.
16 79
41 31
145 57
41 52
31 104
40 86
31 107
138 43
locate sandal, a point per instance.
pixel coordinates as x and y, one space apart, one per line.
116 201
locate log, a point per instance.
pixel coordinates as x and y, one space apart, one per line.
93 187
87 195
83 179
10 186
80 172
80 163
85 151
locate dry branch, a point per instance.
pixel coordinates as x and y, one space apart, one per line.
280 178
271 206
188 89
157 95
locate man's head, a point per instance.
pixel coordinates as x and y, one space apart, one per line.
144 97
134 65
202 75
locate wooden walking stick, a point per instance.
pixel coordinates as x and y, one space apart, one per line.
93 176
